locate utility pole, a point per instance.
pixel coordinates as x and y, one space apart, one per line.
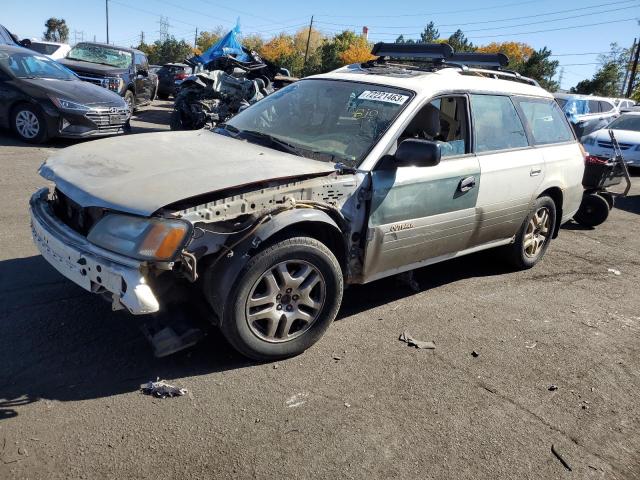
306 51
626 70
106 8
634 68
76 35
164 28
195 39
141 38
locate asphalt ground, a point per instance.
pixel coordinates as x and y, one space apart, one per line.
359 404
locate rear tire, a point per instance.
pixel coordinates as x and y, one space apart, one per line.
283 300
534 236
593 211
29 124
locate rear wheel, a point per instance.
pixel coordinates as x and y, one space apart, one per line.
593 211
284 299
29 124
535 234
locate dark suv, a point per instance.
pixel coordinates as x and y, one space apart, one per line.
122 70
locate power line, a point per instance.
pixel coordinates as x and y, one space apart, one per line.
451 12
493 21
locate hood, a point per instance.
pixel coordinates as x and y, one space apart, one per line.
140 174
95 68
623 136
75 90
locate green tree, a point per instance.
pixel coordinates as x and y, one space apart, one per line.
208 38
400 39
252 42
540 68
332 50
57 30
168 51
605 82
460 42
430 34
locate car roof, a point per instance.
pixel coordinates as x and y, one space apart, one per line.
577 96
175 65
17 49
445 79
46 42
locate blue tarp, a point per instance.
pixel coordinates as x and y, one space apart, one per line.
227 45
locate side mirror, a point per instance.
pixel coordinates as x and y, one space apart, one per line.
418 153
25 42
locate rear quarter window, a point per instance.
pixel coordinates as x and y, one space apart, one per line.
546 121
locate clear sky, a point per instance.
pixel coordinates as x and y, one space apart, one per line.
575 30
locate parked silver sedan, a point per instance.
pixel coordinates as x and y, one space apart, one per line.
627 132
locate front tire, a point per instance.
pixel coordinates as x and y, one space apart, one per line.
284 300
29 124
534 236
130 98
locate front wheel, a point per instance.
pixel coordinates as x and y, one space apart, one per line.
534 236
284 299
130 98
29 123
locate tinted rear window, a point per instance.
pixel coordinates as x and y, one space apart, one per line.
44 48
546 121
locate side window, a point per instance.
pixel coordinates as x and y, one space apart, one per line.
546 121
445 121
605 107
141 62
497 125
594 106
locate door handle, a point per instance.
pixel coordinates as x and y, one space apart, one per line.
467 184
535 172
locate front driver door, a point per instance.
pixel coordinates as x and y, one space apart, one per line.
419 214
142 79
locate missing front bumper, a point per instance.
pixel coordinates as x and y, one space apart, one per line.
94 269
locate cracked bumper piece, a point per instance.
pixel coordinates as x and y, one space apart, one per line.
94 269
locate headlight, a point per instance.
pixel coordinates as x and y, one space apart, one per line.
141 238
64 104
589 141
114 84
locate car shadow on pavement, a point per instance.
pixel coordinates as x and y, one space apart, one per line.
58 342
629 204
8 139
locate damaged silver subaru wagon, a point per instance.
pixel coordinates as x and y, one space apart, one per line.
343 178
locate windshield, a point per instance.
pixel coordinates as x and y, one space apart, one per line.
32 65
99 54
325 119
626 122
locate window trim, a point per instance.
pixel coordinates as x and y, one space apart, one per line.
532 141
519 114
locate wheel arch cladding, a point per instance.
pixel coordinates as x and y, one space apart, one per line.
557 196
219 278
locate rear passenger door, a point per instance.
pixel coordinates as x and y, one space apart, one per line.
510 169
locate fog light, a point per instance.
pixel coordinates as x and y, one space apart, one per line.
64 123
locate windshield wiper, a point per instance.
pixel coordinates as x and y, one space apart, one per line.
287 147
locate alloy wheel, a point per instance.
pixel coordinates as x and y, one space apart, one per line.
27 124
285 301
537 233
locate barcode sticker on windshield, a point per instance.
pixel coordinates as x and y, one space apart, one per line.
388 97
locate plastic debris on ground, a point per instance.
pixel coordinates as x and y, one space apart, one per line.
560 457
162 389
412 342
614 271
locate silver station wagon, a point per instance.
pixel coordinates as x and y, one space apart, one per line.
375 169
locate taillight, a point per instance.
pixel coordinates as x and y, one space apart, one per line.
181 76
593 160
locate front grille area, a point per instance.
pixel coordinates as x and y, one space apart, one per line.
107 121
96 80
73 215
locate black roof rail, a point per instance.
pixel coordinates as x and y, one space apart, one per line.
440 54
490 60
431 51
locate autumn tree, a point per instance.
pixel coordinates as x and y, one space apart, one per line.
57 30
517 52
281 51
253 43
357 52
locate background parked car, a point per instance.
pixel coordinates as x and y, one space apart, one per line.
168 75
624 104
119 69
40 99
586 113
627 131
53 50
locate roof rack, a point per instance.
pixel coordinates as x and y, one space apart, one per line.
434 56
